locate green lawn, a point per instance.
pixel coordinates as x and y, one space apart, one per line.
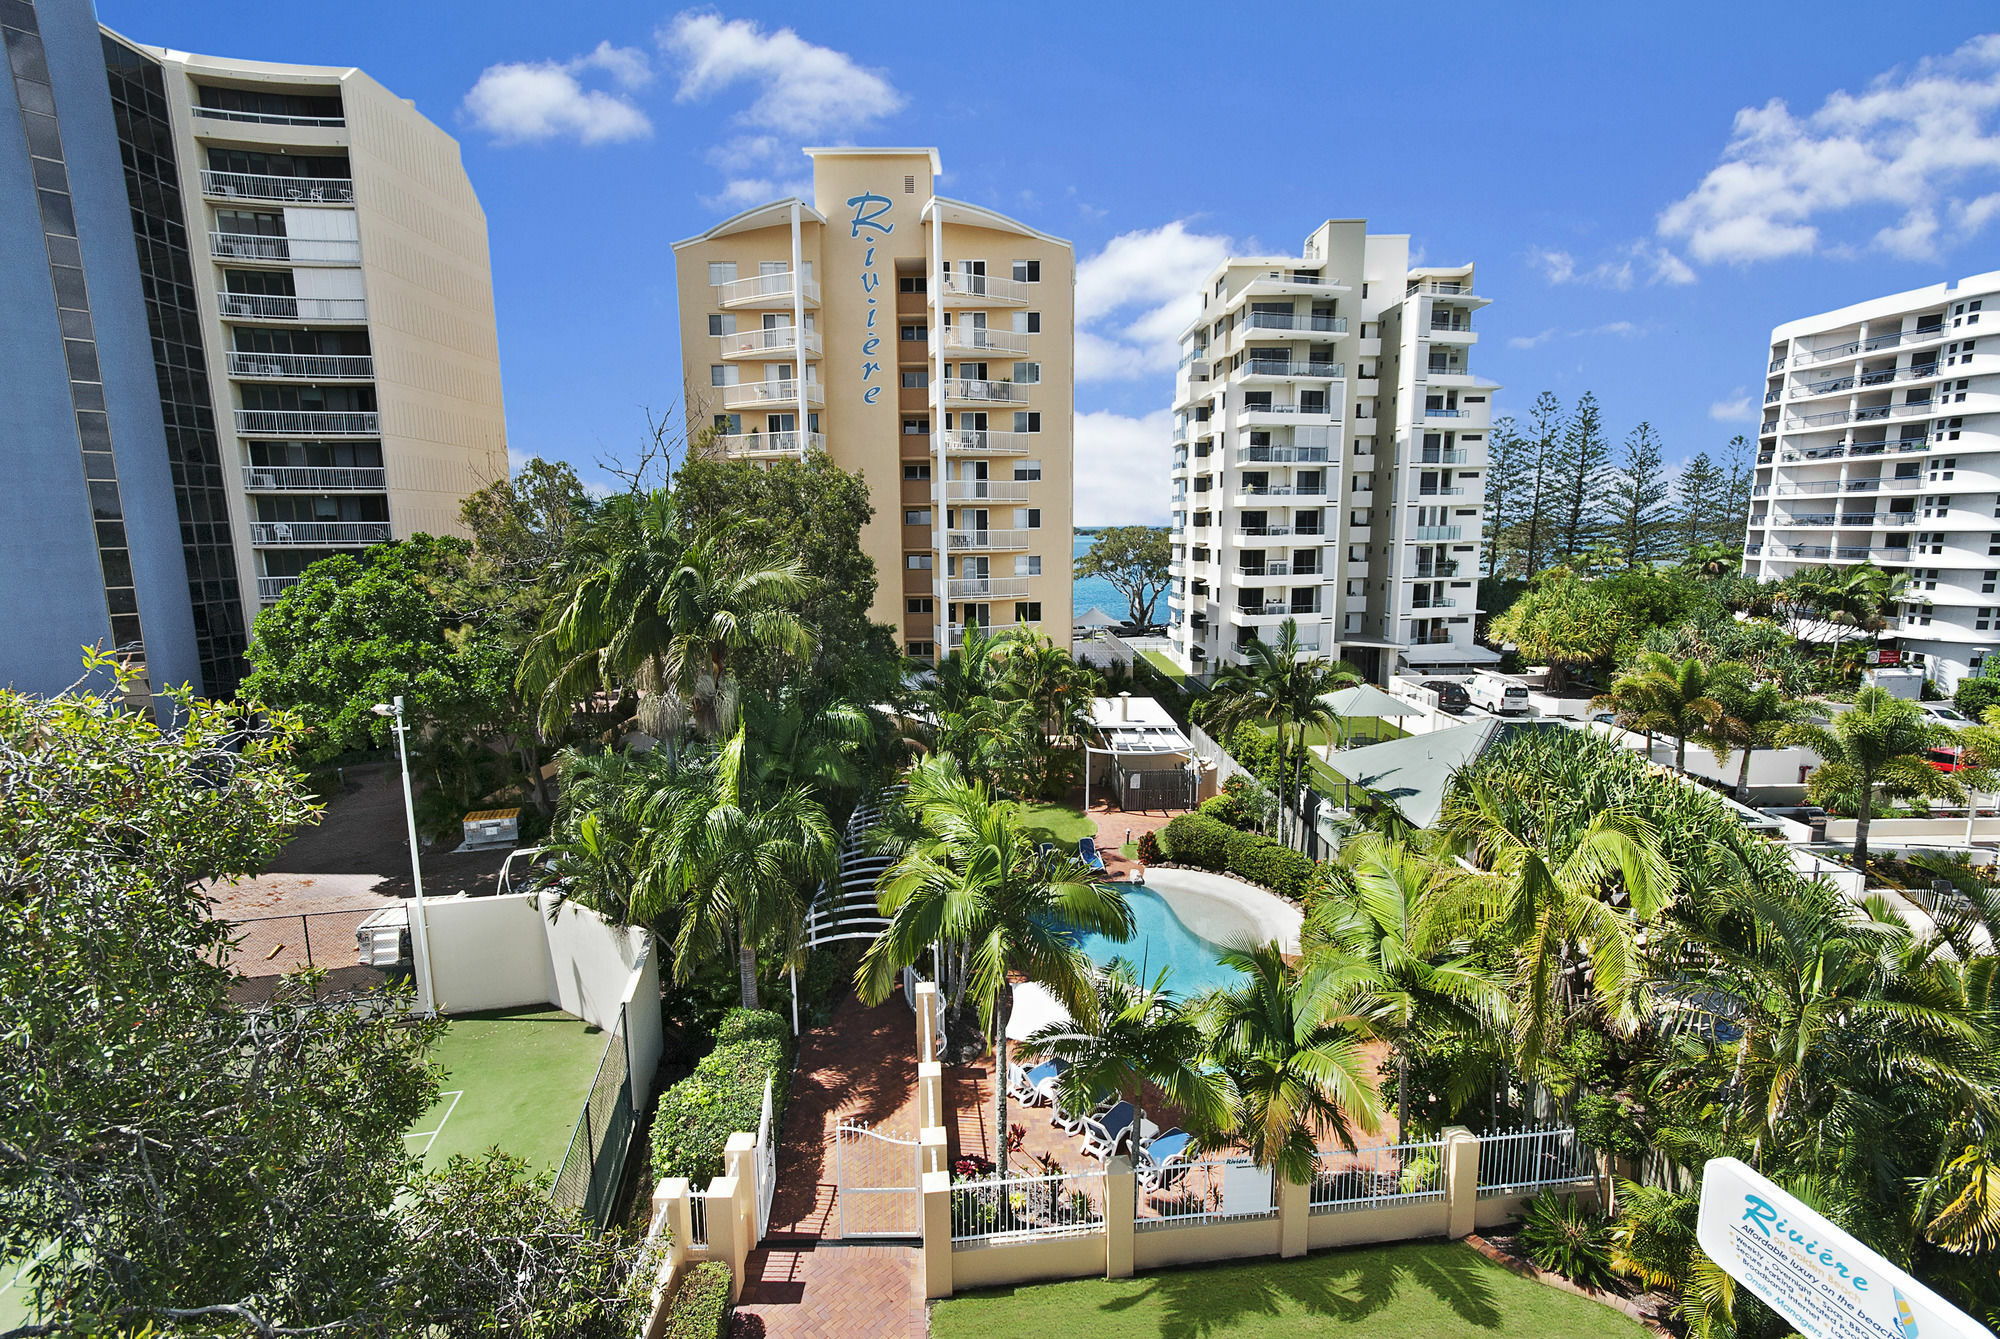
512 1079
1164 663
1057 823
1427 1290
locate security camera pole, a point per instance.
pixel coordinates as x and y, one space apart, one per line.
420 943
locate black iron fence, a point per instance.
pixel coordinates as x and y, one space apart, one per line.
595 1163
266 949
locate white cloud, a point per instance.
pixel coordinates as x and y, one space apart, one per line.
1740 409
1906 145
1122 468
1620 271
1619 329
1135 297
803 92
529 102
1530 341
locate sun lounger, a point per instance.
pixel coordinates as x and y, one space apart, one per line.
1164 1159
1103 1134
1069 1122
1086 851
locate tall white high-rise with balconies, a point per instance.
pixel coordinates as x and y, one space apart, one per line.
1329 458
1880 444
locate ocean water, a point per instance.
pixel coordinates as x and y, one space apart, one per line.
1097 593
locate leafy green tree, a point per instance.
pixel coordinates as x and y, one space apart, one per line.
528 530
1566 623
1585 455
1699 498
1637 496
1509 488
1732 519
1664 696
1879 746
968 877
1543 467
1296 1057
1057 689
1847 601
1752 714
1133 558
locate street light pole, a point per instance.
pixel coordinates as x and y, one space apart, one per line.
420 945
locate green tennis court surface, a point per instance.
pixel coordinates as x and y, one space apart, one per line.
512 1079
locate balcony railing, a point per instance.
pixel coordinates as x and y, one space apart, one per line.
309 366
978 441
1267 570
291 190
1271 532
1447 370
970 588
271 589
768 339
1448 568
314 422
770 443
763 290
1914 372
1870 345
1307 411
1316 325
955 632
778 391
1434 602
319 532
992 392
292 250
267 118
1441 457
1430 639
1443 288
1281 455
1278 367
1450 326
1426 533
289 307
985 490
1440 492
988 539
980 339
973 289
313 478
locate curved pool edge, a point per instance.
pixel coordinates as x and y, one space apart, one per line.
1225 910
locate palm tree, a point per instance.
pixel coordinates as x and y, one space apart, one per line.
1284 685
1665 696
1856 598
1413 972
1752 715
1295 1057
730 858
1057 689
972 880
969 715
1882 742
1129 1036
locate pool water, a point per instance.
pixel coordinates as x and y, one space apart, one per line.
1160 940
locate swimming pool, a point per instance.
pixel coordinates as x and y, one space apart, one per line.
1159 939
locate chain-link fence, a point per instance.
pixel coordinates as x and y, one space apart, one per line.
595 1163
266 949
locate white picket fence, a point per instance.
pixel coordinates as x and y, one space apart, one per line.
1370 1178
1051 1205
1529 1160
1206 1191
766 1163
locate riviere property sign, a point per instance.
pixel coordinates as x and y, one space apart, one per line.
1823 1281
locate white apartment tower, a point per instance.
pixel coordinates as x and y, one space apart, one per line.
1880 443
1329 458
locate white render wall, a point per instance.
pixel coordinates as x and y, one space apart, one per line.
1880 443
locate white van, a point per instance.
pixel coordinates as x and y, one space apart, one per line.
1501 696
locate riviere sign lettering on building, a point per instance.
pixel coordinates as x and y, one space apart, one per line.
868 210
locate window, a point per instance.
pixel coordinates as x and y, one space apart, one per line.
1982 620
916 379
909 283
916 427
1027 271
722 323
1027 420
923 650
1027 323
1027 611
1028 469
913 333
1027 565
917 516
718 374
1027 518
920 604
729 423
917 562
721 271
923 471
1027 374
1219 283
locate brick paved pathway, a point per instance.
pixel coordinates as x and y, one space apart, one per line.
826 1291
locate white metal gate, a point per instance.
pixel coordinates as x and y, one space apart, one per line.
877 1182
766 1164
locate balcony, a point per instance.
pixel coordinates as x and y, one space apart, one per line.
1305 325
984 290
1267 570
764 290
970 588
310 422
1444 325
1806 518
1429 571
1440 492
1440 457
985 490
1872 344
1447 370
267 118
767 340
1433 602
1430 639
289 190
271 589
313 479
1281 455
774 393
746 445
1278 367
1245 614
1447 413
979 442
955 633
1439 288
1282 415
1273 532
274 533
1915 372
287 250
301 366
290 307
1285 281
988 540
984 392
1431 533
978 339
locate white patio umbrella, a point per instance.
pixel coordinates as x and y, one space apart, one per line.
1034 1009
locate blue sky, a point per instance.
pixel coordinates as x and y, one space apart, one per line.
1646 192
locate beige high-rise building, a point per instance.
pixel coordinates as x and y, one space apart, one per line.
922 342
341 284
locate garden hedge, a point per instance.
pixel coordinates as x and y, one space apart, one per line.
724 1096
1201 841
700 1309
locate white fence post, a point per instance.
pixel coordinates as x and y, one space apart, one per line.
1461 1181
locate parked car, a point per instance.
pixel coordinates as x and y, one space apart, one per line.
1451 695
1947 759
1499 695
1947 714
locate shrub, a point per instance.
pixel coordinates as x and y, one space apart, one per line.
1974 696
753 1025
724 1096
1563 1237
700 1307
1278 867
1149 849
1193 839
